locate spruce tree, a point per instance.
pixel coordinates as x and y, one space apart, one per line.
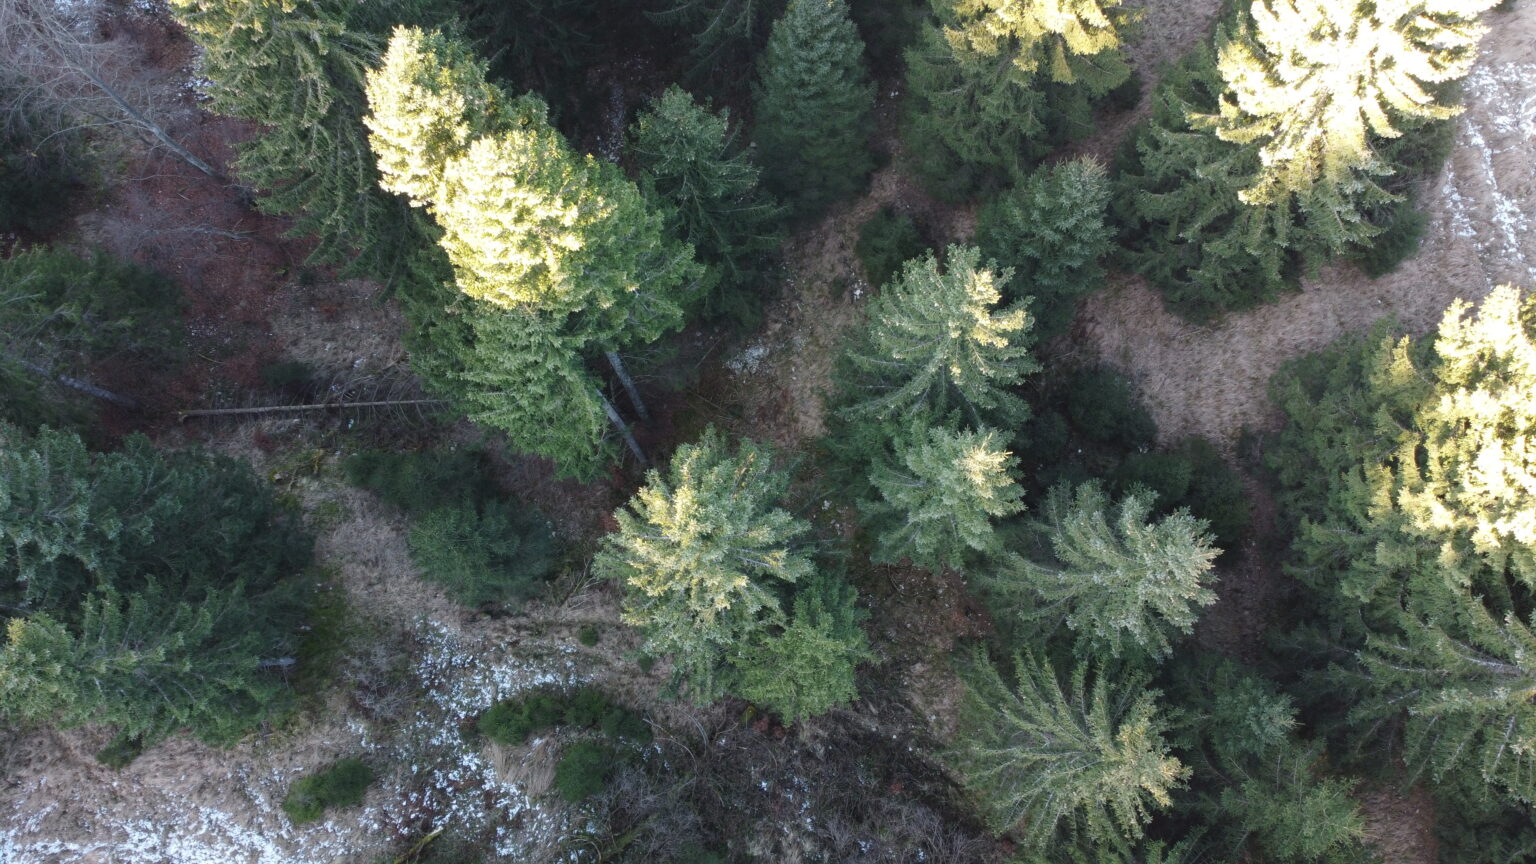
996 84
1050 230
1314 83
703 552
939 496
718 29
1119 580
689 160
936 344
1044 758
808 669
813 106
144 589
296 69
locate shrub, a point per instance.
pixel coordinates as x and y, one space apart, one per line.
424 480
586 707
340 785
588 635
289 376
886 240
1103 406
513 721
1193 474
494 555
584 770
622 724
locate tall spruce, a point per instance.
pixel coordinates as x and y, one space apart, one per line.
937 344
996 84
689 160
939 496
1183 224
1047 758
296 69
144 589
703 553
814 101
1121 581
1315 84
1413 532
1050 230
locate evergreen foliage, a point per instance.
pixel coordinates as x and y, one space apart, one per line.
39 167
296 68
143 588
1084 757
584 769
813 106
887 240
1119 580
64 314
703 553
689 160
493 553
936 344
341 784
1412 529
1050 230
996 84
939 497
808 669
1312 82
1263 789
719 29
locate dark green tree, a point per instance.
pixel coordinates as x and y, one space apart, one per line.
1118 579
721 30
146 590
296 68
813 106
937 344
808 669
1050 229
1044 758
703 553
940 495
688 159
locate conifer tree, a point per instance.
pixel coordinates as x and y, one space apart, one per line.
688 159
718 28
144 589
1313 82
813 106
1183 225
1119 580
1050 231
702 553
1461 683
296 68
940 494
808 669
1043 758
995 84
936 344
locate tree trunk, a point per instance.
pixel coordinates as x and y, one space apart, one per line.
85 387
152 127
316 406
618 423
629 385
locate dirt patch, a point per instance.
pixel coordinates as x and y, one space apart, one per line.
1400 827
1212 381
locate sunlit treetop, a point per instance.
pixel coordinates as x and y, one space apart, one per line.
1071 40
1313 80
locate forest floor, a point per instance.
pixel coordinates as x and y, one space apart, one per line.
419 666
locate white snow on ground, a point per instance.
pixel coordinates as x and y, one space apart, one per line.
445 775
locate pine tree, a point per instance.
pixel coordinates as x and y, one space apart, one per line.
936 344
813 106
688 159
1119 580
1050 231
702 553
1083 758
145 588
808 669
296 68
996 84
1313 83
940 494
